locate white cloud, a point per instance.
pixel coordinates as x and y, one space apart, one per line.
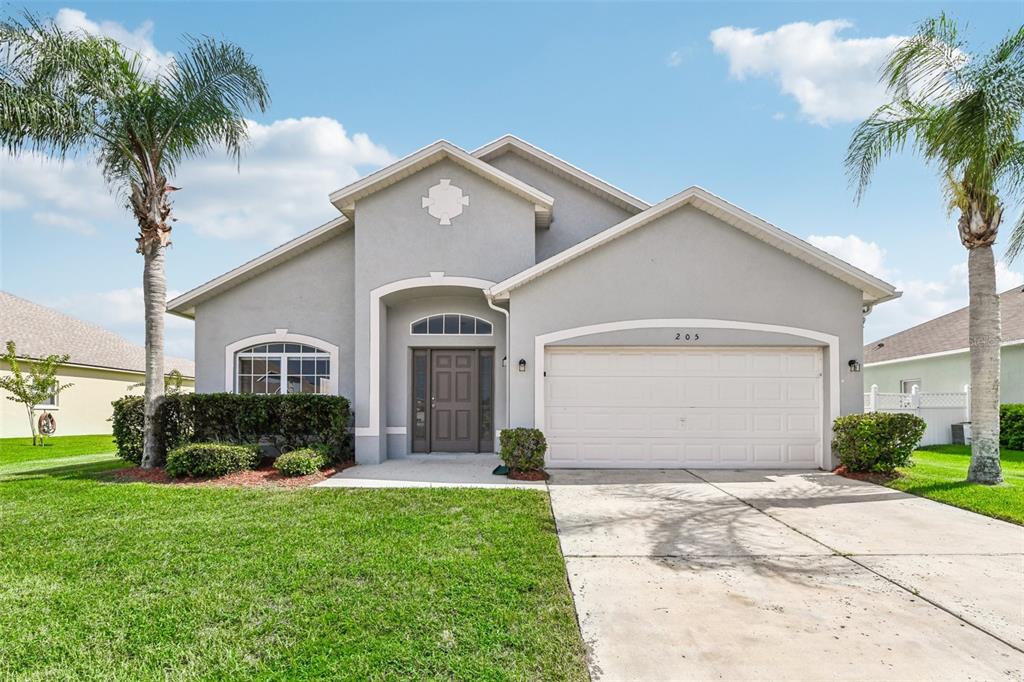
138 42
832 78
867 256
778 116
9 199
922 299
281 190
121 311
64 222
675 58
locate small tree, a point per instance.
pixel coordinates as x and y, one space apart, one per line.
34 388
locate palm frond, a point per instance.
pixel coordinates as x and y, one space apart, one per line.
885 132
927 66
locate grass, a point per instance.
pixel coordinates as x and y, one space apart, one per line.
104 580
940 472
13 450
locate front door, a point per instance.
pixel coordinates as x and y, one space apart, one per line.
454 411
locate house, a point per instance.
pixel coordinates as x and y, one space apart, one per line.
457 293
934 356
103 367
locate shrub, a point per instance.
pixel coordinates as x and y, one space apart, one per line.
127 428
877 441
1011 426
301 462
211 459
523 449
286 421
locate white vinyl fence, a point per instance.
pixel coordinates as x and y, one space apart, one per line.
939 410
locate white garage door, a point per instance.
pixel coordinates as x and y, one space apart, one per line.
683 407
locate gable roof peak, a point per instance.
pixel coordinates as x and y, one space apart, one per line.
345 198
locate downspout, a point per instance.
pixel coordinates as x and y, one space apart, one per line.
508 362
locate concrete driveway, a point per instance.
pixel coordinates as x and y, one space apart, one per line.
786 576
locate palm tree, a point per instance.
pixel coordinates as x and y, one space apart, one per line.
65 93
962 113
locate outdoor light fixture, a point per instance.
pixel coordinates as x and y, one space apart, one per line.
854 366
522 364
504 361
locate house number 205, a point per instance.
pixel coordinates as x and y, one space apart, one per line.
687 336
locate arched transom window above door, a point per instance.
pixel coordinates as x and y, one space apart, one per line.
451 324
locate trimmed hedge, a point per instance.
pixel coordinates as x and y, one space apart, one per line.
1011 426
211 459
523 449
877 441
301 462
287 422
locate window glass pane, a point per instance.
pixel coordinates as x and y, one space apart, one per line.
259 366
292 348
245 384
259 384
436 325
419 388
294 366
294 383
483 327
419 326
245 365
259 349
486 396
309 366
451 324
323 367
275 348
308 384
308 349
273 384
273 365
466 324
323 385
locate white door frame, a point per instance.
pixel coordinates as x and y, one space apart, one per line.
541 341
435 279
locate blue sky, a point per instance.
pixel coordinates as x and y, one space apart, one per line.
754 101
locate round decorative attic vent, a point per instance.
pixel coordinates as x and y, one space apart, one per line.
444 201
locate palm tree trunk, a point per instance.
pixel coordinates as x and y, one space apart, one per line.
154 288
985 338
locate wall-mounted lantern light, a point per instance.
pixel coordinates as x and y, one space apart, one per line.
522 364
854 366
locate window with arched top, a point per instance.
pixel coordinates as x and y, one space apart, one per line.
282 368
451 324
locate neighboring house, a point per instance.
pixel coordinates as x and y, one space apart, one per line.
458 293
934 356
103 367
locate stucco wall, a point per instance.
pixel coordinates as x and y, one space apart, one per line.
949 373
82 409
579 213
397 239
688 265
310 294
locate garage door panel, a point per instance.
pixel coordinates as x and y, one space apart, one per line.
664 407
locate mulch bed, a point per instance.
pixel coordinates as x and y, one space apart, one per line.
263 477
869 476
528 475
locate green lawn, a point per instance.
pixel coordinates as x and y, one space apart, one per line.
104 580
939 473
13 450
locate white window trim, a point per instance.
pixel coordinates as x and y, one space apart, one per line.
279 336
427 317
832 342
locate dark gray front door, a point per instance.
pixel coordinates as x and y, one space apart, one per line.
454 414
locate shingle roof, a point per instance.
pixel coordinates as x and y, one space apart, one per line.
947 333
39 331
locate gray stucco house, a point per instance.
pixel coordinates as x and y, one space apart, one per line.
460 292
935 357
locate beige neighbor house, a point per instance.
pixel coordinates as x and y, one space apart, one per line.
934 356
103 367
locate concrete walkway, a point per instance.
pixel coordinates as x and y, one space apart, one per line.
457 470
786 576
